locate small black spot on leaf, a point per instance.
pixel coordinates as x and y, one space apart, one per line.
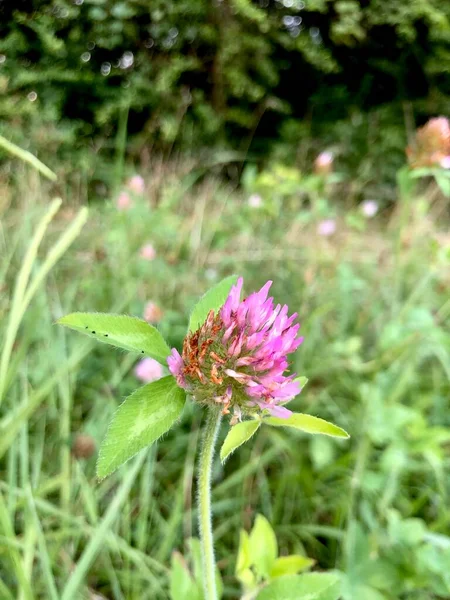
92 331
105 335
142 352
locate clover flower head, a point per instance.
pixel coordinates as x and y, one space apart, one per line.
431 145
147 252
326 227
136 184
238 357
369 208
124 201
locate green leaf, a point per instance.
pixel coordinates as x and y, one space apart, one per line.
195 552
238 435
310 586
243 560
263 546
290 565
309 424
182 585
443 183
139 421
212 300
129 333
302 381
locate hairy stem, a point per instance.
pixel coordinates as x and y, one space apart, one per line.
204 501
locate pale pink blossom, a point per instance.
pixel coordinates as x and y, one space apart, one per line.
147 252
136 184
445 162
326 227
124 201
255 201
238 357
152 312
148 370
323 165
369 208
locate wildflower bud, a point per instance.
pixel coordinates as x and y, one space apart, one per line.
237 358
83 446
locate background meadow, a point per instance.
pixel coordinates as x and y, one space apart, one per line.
158 201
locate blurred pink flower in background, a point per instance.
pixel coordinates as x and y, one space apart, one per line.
152 312
445 162
431 144
148 370
124 201
369 208
147 252
255 201
326 227
323 165
136 184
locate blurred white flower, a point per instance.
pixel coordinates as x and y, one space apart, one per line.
369 208
445 162
326 227
148 370
324 163
211 274
255 201
147 252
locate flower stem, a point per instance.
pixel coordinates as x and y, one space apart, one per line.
204 501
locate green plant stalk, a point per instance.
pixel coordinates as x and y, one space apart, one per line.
27 157
211 429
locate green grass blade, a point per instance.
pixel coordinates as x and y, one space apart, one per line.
72 588
27 157
43 553
13 554
16 313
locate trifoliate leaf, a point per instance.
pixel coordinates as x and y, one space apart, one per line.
139 421
309 424
310 586
238 435
263 546
212 300
290 565
129 333
302 381
243 560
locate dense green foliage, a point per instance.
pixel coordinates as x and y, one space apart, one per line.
375 314
238 73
